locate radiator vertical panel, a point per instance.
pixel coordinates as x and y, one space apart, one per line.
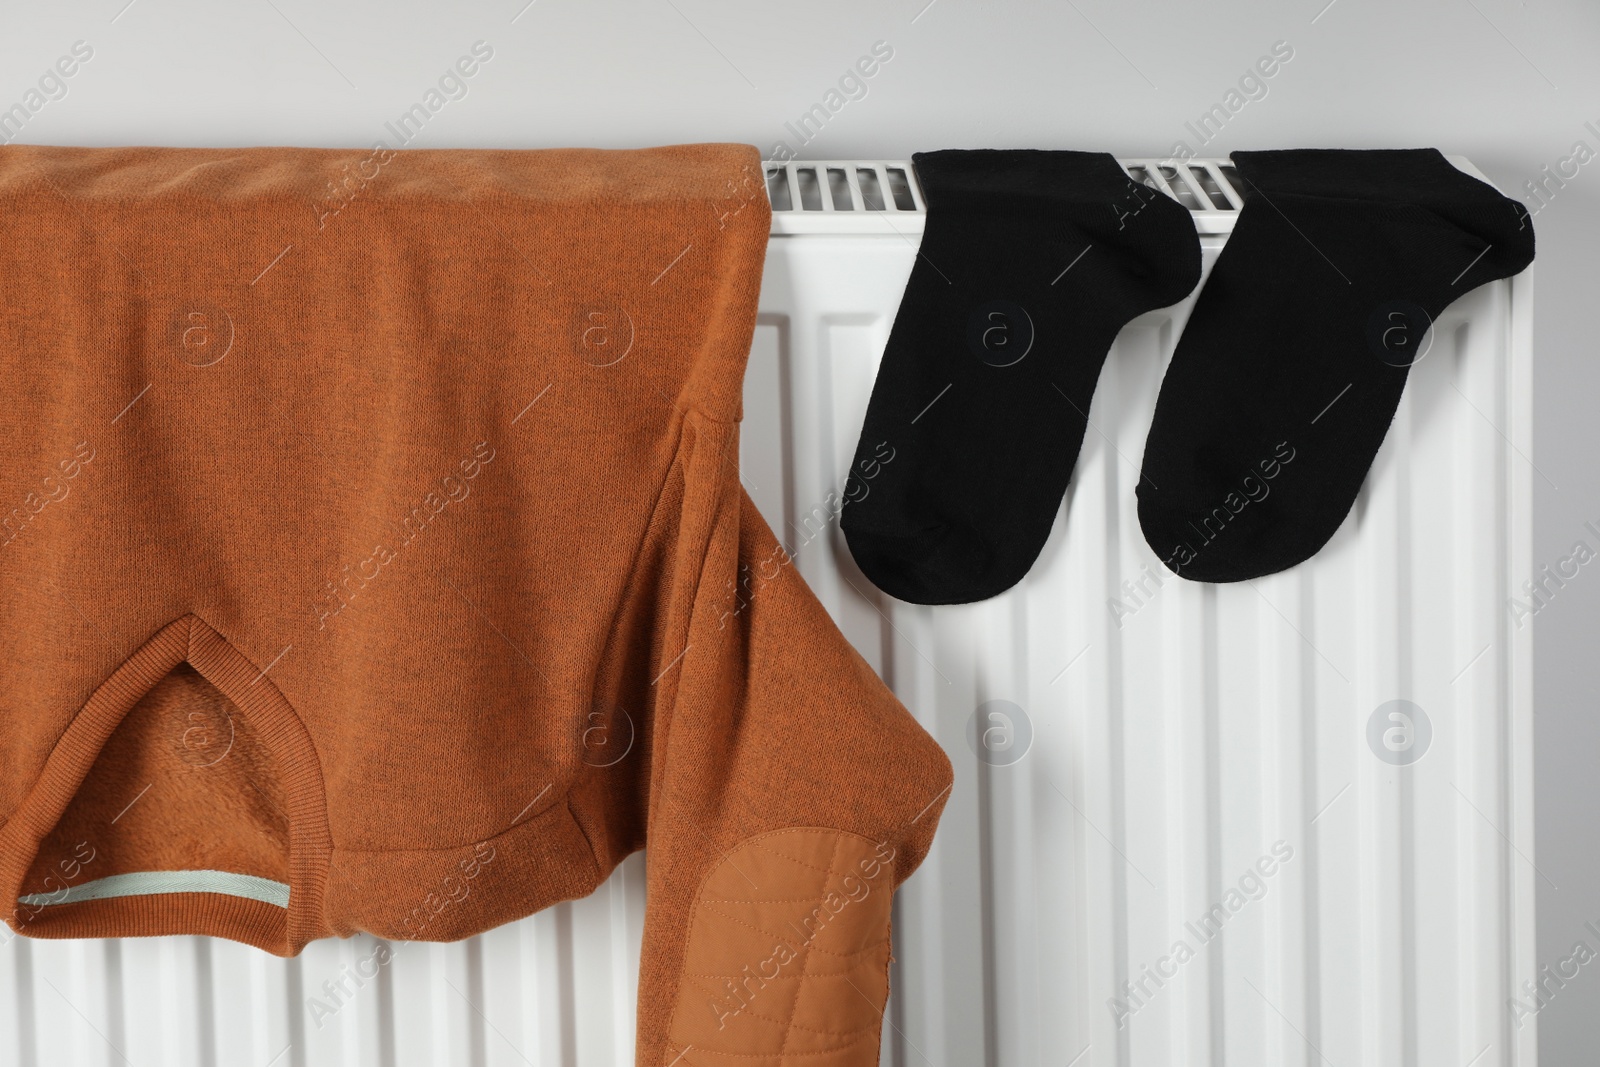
1514 740
1381 794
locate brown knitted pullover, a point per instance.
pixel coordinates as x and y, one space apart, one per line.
373 557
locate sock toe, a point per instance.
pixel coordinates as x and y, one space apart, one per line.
1255 542
935 565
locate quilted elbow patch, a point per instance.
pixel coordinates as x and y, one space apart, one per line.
787 963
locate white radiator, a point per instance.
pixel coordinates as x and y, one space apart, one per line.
1146 742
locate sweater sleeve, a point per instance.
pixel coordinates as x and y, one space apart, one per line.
790 793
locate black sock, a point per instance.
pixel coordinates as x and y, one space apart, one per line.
1029 265
1291 366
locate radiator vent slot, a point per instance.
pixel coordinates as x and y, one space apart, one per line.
871 191
778 190
810 191
839 190
900 185
1233 179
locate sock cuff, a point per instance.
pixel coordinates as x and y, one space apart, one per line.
1409 178
1412 175
984 176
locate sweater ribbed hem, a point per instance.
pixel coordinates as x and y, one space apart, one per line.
215 914
276 930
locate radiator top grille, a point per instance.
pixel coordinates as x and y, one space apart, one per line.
883 196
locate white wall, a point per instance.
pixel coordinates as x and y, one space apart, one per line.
1509 84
